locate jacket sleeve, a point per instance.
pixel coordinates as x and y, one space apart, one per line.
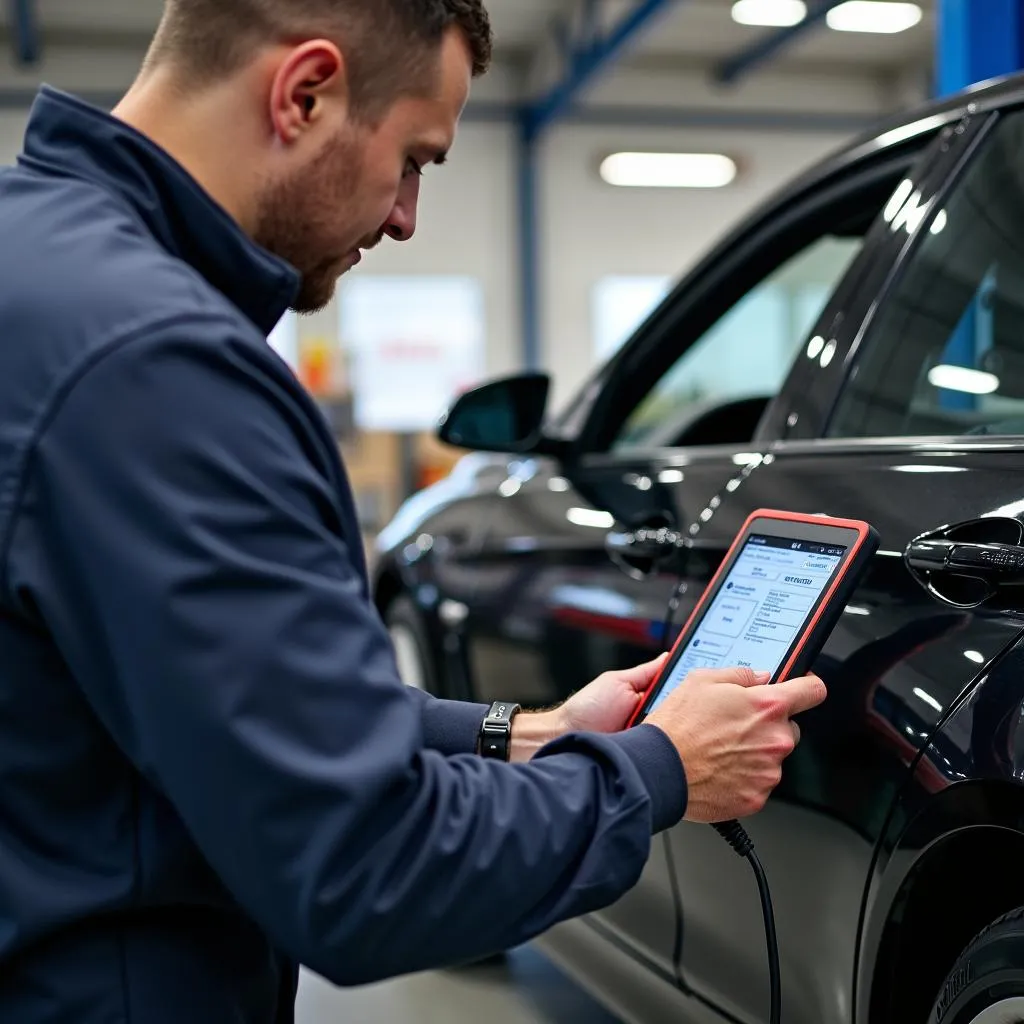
450 726
188 555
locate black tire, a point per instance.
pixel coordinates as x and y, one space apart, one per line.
986 985
413 650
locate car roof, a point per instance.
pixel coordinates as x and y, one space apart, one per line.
993 94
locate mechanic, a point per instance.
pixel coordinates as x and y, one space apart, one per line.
211 772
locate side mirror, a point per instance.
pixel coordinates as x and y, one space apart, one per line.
504 416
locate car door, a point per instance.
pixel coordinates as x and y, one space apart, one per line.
904 416
580 560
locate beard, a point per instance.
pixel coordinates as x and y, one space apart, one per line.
296 215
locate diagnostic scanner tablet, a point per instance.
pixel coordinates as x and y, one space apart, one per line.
773 602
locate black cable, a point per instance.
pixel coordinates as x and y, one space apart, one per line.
735 835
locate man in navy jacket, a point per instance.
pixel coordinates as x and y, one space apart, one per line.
209 769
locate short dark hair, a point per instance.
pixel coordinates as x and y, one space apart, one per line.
389 45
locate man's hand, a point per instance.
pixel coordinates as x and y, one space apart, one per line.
733 733
605 705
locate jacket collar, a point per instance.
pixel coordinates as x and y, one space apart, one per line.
68 137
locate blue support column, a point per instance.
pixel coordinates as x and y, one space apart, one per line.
529 246
588 52
25 25
977 40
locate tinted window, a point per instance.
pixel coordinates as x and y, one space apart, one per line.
745 357
945 354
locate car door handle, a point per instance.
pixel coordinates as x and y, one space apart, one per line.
970 563
998 564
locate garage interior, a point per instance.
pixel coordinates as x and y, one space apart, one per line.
613 143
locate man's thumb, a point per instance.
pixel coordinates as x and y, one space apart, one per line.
748 677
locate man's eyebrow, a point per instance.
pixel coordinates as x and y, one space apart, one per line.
440 159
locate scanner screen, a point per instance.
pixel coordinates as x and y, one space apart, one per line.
760 607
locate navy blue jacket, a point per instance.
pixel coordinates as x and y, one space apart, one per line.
209 770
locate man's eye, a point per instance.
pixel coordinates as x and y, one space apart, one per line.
412 167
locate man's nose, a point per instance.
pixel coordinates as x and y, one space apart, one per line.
401 224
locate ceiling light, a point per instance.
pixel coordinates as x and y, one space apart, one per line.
961 378
668 170
873 16
772 13
940 222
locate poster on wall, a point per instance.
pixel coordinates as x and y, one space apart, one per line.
620 306
414 344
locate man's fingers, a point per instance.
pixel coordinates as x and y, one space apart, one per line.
801 695
735 676
641 677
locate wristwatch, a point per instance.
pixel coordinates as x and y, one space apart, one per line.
496 731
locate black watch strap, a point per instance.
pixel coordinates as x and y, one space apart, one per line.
496 731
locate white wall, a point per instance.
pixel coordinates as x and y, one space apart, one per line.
468 220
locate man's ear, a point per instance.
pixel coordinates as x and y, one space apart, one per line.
310 79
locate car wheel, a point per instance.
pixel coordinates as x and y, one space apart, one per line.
986 985
411 644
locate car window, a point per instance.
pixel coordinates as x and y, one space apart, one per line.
945 352
738 365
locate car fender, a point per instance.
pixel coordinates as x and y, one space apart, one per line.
948 859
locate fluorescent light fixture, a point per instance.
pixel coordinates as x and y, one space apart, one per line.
671 476
814 346
940 222
590 517
929 469
976 656
873 16
962 378
558 484
770 13
668 170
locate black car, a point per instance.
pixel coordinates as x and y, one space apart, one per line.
895 843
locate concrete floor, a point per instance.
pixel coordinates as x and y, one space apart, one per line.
526 989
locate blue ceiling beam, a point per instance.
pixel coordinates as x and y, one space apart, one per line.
588 55
976 41
733 68
25 24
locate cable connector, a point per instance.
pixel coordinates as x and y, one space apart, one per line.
735 835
